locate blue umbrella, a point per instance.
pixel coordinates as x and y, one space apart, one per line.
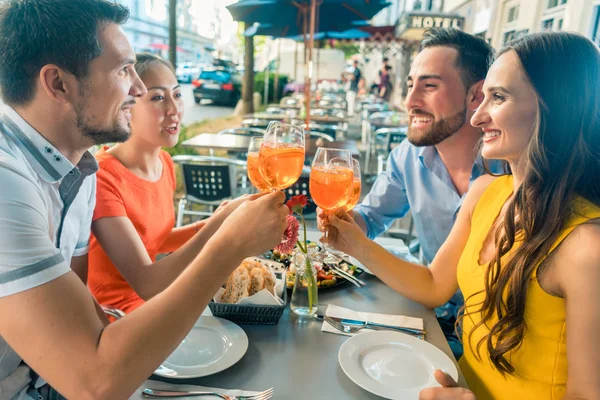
281 12
327 29
350 34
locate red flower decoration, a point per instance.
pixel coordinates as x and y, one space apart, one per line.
297 203
290 236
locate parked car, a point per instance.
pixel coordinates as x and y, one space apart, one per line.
186 72
219 85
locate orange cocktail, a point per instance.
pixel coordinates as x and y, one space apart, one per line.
280 164
254 174
330 186
354 195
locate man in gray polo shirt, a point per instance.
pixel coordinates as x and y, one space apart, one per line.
67 78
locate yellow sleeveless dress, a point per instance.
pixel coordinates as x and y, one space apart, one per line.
541 360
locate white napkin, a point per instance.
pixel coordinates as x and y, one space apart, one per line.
387 319
168 386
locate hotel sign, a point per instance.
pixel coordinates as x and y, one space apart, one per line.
413 25
420 21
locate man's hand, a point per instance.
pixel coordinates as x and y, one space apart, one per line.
256 225
449 390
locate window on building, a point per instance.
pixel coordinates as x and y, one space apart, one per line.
547 24
554 3
508 36
560 24
417 5
596 25
513 14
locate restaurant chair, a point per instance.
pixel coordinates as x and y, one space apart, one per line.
302 187
289 101
335 131
275 110
386 139
208 181
319 135
255 123
243 131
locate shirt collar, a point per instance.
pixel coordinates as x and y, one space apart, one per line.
427 155
50 164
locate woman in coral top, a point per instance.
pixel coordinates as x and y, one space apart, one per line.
524 248
134 217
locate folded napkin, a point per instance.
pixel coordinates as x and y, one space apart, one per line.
387 319
168 386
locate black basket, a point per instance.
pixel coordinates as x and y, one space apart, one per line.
252 314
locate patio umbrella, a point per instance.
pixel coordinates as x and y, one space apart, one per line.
349 34
301 16
325 30
291 11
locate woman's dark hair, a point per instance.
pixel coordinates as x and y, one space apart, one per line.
474 53
563 162
34 33
145 61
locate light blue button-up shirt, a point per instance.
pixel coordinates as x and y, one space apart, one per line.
416 179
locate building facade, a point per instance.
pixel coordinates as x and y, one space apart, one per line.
148 30
500 21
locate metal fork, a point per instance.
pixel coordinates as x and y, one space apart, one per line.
355 328
265 395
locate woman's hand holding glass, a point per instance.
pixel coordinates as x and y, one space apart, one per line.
331 183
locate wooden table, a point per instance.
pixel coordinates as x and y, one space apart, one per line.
239 143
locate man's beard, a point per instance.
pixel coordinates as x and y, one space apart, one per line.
438 132
115 134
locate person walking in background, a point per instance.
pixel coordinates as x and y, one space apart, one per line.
356 82
385 85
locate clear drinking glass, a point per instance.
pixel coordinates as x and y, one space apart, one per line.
281 155
253 173
331 182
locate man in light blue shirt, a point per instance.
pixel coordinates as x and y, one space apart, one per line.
430 172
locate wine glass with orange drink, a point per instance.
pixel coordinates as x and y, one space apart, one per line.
331 186
253 173
281 155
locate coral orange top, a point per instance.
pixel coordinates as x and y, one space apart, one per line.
148 205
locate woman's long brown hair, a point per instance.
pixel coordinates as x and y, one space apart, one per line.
563 160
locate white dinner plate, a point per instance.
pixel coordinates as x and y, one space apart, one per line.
392 364
403 254
213 345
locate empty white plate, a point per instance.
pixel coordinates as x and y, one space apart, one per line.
393 365
213 345
403 254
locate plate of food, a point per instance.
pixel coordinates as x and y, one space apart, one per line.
326 278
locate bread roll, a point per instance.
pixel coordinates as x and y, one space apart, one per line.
248 279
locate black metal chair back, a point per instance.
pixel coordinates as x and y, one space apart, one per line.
299 188
394 139
208 182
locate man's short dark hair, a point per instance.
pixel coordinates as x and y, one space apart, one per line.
474 53
34 33
385 59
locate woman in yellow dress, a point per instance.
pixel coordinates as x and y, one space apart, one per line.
525 246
